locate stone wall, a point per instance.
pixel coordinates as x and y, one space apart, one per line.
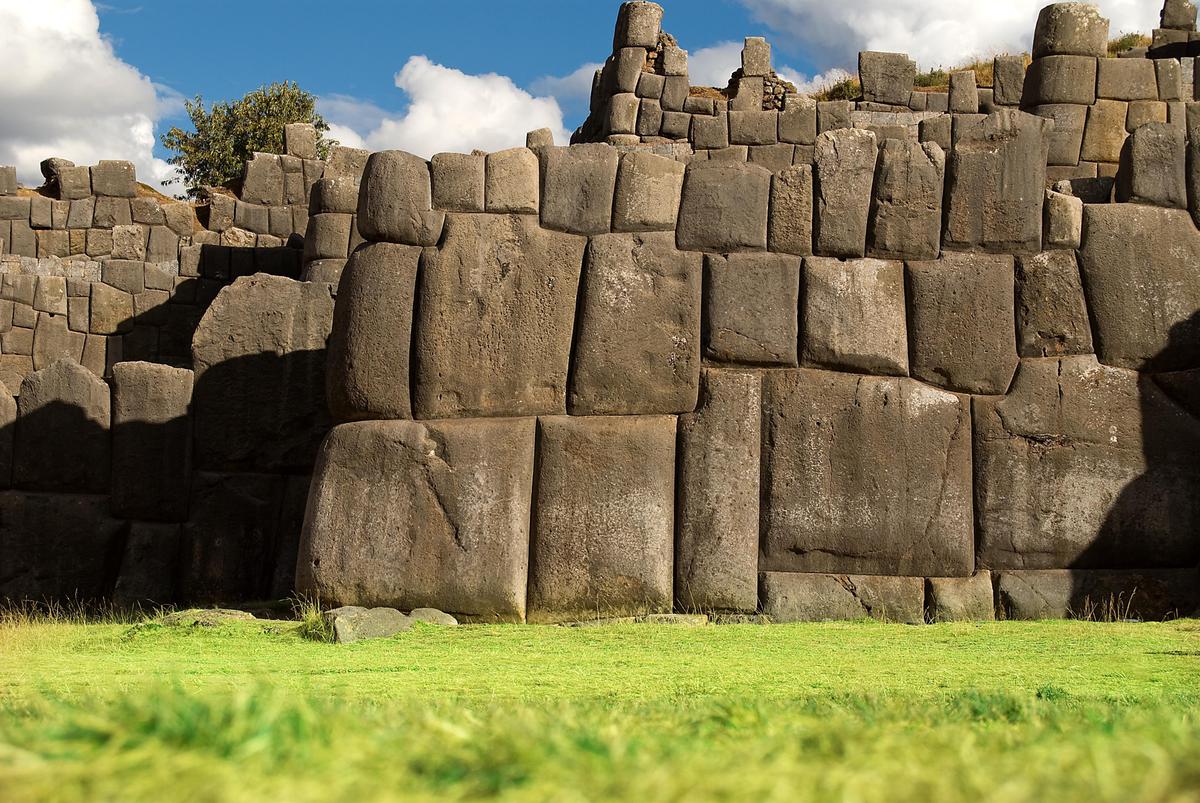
896 377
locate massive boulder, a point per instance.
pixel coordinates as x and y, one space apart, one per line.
854 316
751 307
152 441
395 204
62 437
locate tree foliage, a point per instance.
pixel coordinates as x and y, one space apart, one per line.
228 133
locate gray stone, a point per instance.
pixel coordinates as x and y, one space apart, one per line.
111 310
352 623
937 130
753 127
650 117
906 206
1066 139
995 182
1142 291
865 475
650 86
1089 190
493 334
162 245
151 447
710 132
774 158
1169 77
844 175
1052 315
114 179
748 94
1008 80
964 94
62 432
1070 29
368 362
623 113
53 340
1099 595
1121 452
395 203
1126 79
751 304
832 598
854 316
1064 221
648 192
961 599
8 421
637 339
674 60
337 194
1104 136
961 322
577 188
790 219
328 236
541 138
716 551
756 56
604 522
454 500
675 93
676 125
259 357
129 242
1061 79
833 114
75 183
512 182
432 616
1145 112
724 208
798 120
1154 167
300 140
8 180
886 77
638 25
1179 15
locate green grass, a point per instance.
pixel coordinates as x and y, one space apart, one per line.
862 711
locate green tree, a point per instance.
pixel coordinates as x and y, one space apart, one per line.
228 133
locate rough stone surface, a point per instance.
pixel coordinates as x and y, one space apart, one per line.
638 25
1060 79
454 499
457 181
961 599
512 182
854 316
724 208
751 304
886 77
1127 79
604 522
637 340
865 475
1008 77
395 203
1063 226
151 441
789 597
493 332
1066 140
1099 595
62 432
906 206
577 188
1104 135
964 94
844 175
1154 167
648 191
790 222
1070 29
352 623
716 550
1052 314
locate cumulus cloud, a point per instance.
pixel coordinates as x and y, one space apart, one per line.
944 33
712 66
448 110
576 86
808 86
66 93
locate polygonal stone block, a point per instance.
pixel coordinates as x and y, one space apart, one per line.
1052 315
789 597
1060 79
1070 29
724 208
457 181
751 303
152 441
577 188
960 599
886 77
395 204
854 316
1126 79
906 205
648 192
62 432
790 222
844 176
512 182
1154 167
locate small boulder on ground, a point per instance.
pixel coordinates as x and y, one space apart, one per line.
352 623
211 617
432 616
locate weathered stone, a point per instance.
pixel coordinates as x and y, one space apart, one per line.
53 341
854 318
937 130
650 86
454 498
865 475
1060 79
206 617
964 94
1070 29
62 432
724 208
650 117
328 237
113 179
1116 447
395 202
1126 79
1154 167
961 599
512 183
493 334
1063 227
638 25
1179 15
753 127
1008 77
1096 190
844 175
790 219
1052 316
716 552
336 194
147 573
1136 263
368 362
676 125
259 357
906 206
262 181
300 140
151 447
111 310
1099 595
162 245
886 77
789 597
637 340
710 132
577 188
50 295
798 120
961 322
751 304
129 242
756 56
1066 138
648 191
1144 112
622 113
774 158
604 522
833 114
995 182
432 616
748 94
1104 136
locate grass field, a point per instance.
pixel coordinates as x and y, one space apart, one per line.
848 712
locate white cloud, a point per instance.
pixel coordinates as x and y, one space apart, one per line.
809 86
66 93
943 33
448 110
713 66
567 88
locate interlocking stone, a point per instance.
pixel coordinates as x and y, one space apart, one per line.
1070 29
512 183
751 304
854 316
906 206
724 208
790 219
1008 76
577 188
395 203
1126 79
62 434
152 445
789 597
886 77
1154 167
961 599
1052 314
844 176
648 192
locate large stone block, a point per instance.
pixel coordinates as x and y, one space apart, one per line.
648 193
716 550
57 546
751 305
844 175
429 514
1141 287
1104 135
790 220
259 357
638 25
1127 79
995 181
328 237
961 322
1085 466
114 179
148 565
1066 138
1099 595
886 77
964 92
603 526
1154 167
395 202
493 333
578 183
1062 228
906 206
1071 29
1008 80
637 340
961 599
1060 79
457 181
724 207
865 475
854 316
1052 315
62 434
512 182
8 425
152 441
368 361
262 181
791 597
1178 15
